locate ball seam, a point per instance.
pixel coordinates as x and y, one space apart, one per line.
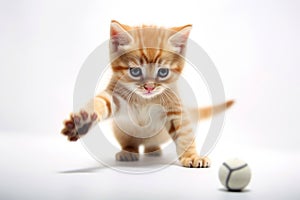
230 172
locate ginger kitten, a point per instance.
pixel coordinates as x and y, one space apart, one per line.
146 63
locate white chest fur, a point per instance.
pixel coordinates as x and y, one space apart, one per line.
142 121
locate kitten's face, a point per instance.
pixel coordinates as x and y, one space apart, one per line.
145 76
147 60
148 79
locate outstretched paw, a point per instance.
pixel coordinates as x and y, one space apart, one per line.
195 161
78 124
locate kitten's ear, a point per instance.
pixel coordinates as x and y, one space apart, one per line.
179 39
120 39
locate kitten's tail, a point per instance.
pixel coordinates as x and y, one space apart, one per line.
206 112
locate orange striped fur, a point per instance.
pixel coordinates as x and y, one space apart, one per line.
146 62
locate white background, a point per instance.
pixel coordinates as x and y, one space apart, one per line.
254 44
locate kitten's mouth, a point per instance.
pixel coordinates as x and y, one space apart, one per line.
149 92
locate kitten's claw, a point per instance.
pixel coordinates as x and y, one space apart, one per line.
94 117
76 119
84 115
78 125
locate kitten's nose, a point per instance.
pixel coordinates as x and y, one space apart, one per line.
149 86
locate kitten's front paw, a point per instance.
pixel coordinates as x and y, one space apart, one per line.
195 161
78 125
127 156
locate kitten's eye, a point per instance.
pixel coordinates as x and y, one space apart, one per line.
163 72
135 72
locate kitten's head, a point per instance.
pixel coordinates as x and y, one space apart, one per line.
148 59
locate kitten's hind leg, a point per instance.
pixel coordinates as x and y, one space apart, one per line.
153 151
128 154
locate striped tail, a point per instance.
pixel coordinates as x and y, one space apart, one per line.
206 112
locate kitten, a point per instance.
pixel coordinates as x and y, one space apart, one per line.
146 63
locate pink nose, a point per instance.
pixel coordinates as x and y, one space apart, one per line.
149 86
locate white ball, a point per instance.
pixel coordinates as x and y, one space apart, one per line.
235 174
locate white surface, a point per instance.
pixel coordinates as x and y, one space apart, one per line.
49 167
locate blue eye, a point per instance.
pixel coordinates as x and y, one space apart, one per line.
163 72
135 72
